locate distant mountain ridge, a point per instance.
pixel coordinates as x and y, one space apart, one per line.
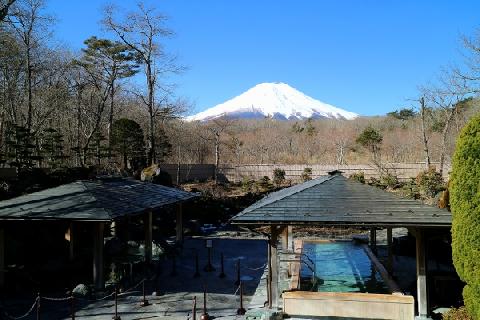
273 100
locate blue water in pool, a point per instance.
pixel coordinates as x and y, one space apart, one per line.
340 267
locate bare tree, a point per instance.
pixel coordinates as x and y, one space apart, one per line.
447 99
215 130
142 31
31 26
4 6
426 152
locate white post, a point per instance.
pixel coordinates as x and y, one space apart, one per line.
290 238
421 275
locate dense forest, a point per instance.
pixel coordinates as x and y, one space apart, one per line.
112 105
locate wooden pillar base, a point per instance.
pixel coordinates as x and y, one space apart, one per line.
273 270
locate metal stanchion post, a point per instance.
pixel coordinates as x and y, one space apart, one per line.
144 301
209 267
116 316
205 315
197 273
238 273
241 311
194 311
222 273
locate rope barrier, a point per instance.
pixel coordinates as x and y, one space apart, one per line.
57 299
70 298
259 268
35 303
113 293
25 314
135 286
98 299
103 298
238 288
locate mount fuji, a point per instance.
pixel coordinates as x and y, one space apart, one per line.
273 100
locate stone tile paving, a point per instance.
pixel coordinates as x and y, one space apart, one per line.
177 292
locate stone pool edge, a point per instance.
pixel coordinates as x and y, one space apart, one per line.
395 306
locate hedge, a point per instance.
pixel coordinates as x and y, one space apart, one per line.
465 206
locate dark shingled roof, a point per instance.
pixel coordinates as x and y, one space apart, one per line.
336 200
99 200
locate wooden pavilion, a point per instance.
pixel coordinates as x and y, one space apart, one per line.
337 201
92 203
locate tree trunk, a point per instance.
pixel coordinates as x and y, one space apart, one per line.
29 91
150 82
424 134
110 119
79 123
217 154
446 128
178 164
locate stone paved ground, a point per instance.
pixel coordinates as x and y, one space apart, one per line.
178 291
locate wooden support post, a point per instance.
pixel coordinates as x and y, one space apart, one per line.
373 240
179 220
421 275
389 251
147 222
290 238
274 266
269 275
2 257
98 278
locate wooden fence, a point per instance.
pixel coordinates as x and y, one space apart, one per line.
189 172
236 173
403 171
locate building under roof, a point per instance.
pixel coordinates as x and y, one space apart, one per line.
95 202
337 201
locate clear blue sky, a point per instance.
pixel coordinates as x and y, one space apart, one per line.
364 56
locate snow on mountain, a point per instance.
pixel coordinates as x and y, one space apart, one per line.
274 100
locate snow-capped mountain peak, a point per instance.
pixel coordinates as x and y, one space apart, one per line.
274 100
